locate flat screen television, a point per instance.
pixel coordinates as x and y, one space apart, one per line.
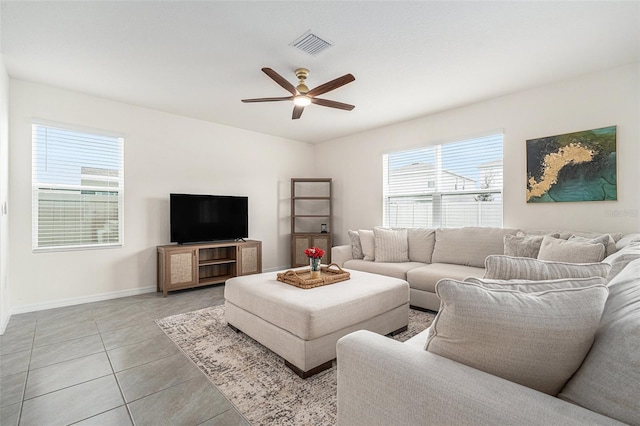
200 218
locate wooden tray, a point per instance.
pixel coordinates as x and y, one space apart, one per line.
302 277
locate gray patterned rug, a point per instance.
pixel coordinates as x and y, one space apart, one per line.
255 379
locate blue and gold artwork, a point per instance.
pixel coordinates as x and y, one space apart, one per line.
578 166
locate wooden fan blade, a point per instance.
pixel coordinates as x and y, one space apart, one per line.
331 85
332 104
280 80
297 112
285 98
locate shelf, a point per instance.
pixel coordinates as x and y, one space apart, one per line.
215 280
312 198
216 262
311 215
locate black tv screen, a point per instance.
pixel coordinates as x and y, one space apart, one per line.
200 218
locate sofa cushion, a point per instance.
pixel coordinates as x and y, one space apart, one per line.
605 239
421 242
356 246
535 339
558 250
391 245
469 246
396 270
367 240
532 286
522 245
507 268
620 259
609 379
626 240
425 277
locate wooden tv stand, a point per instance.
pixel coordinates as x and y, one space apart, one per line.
195 265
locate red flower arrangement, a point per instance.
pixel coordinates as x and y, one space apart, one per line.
314 252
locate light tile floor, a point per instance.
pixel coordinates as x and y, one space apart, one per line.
107 363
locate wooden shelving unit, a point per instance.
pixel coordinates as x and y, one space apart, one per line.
311 206
195 265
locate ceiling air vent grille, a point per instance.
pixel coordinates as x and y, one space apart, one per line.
311 43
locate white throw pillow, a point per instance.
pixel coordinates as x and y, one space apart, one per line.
535 339
559 250
391 245
508 268
367 240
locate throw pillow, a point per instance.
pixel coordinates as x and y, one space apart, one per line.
608 380
606 240
559 250
530 286
391 245
356 246
367 240
535 339
507 268
421 242
522 245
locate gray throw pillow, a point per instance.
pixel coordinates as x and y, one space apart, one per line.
522 245
535 339
606 240
356 246
559 250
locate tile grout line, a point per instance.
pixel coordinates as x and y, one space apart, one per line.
115 376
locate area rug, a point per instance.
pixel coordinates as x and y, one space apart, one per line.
255 379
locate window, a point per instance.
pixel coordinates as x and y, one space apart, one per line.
77 189
444 186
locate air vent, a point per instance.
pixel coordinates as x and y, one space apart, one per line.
311 43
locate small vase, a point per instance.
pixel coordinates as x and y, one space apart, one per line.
314 262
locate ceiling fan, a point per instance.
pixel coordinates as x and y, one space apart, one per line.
301 95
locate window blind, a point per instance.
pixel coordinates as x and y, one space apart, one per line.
77 189
449 185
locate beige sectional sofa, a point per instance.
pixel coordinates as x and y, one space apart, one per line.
423 256
384 382
534 341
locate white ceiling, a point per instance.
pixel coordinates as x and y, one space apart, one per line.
200 58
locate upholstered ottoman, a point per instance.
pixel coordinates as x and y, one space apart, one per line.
303 326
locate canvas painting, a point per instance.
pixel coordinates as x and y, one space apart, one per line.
578 166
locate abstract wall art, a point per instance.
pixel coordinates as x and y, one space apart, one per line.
578 166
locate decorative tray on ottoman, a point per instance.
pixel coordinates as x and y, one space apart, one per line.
302 277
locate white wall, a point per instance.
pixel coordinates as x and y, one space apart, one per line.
597 100
164 153
4 186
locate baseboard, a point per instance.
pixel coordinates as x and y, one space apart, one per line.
80 300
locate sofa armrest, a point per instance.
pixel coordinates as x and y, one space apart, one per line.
384 382
340 254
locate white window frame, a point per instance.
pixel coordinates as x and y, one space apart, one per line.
43 186
433 195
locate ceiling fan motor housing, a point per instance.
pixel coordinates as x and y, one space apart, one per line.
302 74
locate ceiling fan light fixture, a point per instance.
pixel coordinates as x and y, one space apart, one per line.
301 100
